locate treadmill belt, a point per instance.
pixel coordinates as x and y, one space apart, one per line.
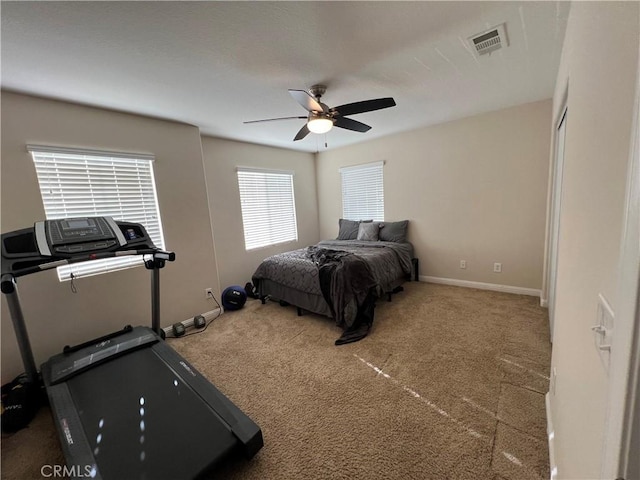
153 427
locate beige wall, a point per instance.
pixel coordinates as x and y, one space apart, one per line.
56 317
473 190
600 77
221 158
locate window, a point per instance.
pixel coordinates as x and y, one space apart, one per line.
268 207
363 192
80 183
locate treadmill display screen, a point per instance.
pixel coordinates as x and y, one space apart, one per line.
80 229
78 223
152 417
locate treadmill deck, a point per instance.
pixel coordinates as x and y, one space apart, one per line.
145 414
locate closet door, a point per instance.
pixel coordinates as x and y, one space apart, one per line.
555 216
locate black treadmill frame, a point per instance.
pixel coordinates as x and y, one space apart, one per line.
68 423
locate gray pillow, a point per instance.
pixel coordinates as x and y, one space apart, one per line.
368 231
394 231
348 229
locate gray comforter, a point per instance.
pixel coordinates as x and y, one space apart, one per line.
347 286
387 261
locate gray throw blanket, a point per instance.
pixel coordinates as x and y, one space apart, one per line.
348 286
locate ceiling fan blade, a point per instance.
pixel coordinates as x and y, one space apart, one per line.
364 106
350 124
272 119
303 132
307 101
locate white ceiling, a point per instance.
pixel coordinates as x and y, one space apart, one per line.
218 64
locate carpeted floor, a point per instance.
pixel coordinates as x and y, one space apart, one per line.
449 384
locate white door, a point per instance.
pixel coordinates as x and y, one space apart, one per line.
556 198
622 441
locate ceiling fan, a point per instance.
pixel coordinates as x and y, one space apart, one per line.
322 118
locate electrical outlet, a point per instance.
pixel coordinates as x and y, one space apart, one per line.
497 267
208 293
463 264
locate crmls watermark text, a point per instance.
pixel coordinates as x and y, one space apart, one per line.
65 471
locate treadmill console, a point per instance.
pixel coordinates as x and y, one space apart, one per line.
78 235
71 240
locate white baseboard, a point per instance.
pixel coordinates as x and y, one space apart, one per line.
553 468
544 302
208 316
482 286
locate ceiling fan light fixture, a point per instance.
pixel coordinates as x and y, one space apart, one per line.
320 125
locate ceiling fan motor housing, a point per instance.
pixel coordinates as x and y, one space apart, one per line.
318 90
318 115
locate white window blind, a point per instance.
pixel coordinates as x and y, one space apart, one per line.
363 192
268 207
80 183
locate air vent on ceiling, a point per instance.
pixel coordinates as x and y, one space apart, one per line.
489 41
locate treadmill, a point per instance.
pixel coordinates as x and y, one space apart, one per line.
125 405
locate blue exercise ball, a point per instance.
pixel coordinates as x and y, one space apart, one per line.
234 297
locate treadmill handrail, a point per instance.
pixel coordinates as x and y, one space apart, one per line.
157 254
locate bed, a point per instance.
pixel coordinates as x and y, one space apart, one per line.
367 261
